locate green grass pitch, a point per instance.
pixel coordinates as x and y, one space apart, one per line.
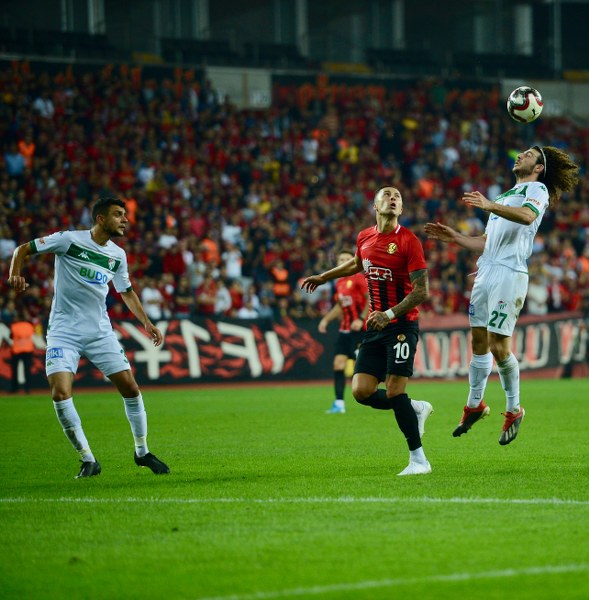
269 497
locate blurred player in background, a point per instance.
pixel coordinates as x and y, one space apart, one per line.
85 263
22 331
501 284
392 260
351 309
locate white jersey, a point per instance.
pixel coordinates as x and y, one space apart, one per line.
83 270
508 243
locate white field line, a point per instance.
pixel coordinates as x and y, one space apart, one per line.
385 583
301 500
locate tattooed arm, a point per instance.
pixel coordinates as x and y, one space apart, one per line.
420 293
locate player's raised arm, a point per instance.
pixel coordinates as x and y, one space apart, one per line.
311 283
445 233
15 279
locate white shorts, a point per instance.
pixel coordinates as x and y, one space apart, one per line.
105 352
497 298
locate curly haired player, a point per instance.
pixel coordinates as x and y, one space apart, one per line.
501 284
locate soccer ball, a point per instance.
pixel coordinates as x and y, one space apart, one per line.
524 104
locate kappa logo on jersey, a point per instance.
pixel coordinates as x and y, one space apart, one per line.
42 241
379 274
84 255
54 353
391 248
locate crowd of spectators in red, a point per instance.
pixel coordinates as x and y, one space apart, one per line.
230 208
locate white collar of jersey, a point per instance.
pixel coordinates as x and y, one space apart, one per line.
395 231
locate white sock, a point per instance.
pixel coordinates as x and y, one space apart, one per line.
72 427
509 375
417 455
478 374
135 411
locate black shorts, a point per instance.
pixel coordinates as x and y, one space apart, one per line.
388 352
347 343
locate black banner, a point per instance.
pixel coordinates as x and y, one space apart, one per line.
228 350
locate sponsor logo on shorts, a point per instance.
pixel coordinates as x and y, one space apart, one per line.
54 353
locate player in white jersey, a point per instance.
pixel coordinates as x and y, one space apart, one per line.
501 284
85 263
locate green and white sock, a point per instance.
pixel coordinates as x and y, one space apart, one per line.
135 411
71 424
509 375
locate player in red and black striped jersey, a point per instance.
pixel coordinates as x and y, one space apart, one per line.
393 263
351 309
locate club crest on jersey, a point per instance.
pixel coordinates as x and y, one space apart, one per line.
111 263
401 337
349 284
391 248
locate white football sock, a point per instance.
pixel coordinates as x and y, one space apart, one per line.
478 374
135 411
509 375
72 427
417 455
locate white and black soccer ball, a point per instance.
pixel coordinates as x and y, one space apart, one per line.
524 104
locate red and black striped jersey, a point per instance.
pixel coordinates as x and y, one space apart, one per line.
351 292
387 259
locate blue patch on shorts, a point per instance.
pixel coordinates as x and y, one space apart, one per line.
54 353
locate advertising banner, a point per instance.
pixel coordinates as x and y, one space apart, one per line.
228 350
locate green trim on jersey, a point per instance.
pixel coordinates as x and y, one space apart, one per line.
33 247
513 192
531 207
95 258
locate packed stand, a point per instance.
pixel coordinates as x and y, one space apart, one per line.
230 208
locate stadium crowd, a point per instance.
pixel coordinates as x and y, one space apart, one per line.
230 208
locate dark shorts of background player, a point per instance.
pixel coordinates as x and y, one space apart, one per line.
347 343
388 352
